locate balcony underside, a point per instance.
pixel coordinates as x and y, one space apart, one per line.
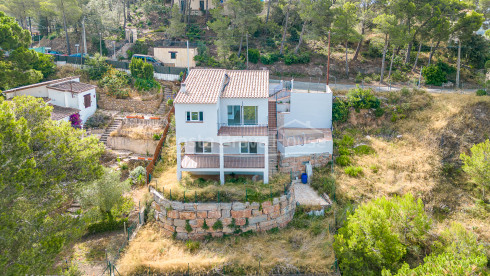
243 131
206 161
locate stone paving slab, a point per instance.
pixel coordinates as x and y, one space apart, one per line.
305 195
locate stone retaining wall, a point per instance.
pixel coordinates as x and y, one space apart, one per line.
129 105
297 166
174 216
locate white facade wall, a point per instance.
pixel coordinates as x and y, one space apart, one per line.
306 149
262 104
309 110
85 113
36 91
196 131
163 54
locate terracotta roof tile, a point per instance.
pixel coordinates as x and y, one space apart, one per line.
204 86
247 84
60 112
72 86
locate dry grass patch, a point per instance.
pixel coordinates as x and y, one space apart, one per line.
206 188
288 251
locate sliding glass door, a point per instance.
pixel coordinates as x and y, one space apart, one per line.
235 115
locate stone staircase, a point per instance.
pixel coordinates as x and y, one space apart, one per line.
167 94
116 123
122 51
273 154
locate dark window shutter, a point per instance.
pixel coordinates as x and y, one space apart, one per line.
188 116
201 117
87 100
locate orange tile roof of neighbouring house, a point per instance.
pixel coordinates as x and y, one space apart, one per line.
60 112
51 82
205 86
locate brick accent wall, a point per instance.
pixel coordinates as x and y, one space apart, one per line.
174 216
297 166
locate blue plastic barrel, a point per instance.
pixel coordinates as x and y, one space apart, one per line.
304 178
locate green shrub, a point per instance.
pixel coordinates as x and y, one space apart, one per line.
205 225
481 92
124 166
323 184
374 168
141 69
358 78
106 225
218 225
188 226
156 137
353 171
192 245
373 52
146 85
340 110
136 174
434 75
363 149
346 141
269 58
378 112
344 151
343 160
390 228
362 99
398 76
170 102
294 59
253 55
98 120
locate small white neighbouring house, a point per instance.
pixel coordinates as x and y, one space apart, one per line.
67 96
229 121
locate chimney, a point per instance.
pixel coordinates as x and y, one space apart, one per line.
182 88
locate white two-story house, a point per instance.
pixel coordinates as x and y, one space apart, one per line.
221 119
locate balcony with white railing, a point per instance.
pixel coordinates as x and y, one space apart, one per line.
231 161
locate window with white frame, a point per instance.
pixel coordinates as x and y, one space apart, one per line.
194 116
248 147
203 147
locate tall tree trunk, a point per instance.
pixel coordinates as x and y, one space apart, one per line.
407 54
346 62
285 29
207 10
124 16
391 64
268 10
358 49
432 50
383 60
66 28
417 57
240 48
459 64
300 37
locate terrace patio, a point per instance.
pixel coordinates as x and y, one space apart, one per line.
231 161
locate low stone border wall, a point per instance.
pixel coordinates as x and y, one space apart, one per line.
186 220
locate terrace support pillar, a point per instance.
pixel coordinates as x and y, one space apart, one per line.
221 165
266 160
179 161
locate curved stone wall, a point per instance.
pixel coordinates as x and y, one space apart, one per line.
187 219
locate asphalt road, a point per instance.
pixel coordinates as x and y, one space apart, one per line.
315 86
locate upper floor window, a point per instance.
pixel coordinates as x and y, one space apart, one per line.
173 55
87 101
248 147
194 116
242 115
